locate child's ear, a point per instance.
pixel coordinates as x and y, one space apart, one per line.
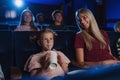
38 42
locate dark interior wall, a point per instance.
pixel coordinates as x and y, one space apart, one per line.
47 2
100 11
85 4
112 12
113 9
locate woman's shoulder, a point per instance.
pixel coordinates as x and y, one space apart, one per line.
103 31
18 28
38 29
78 34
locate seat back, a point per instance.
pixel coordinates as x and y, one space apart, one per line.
4 27
23 47
5 51
65 43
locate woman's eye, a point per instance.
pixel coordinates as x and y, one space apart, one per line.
85 17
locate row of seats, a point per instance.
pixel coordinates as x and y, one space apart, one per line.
7 27
16 47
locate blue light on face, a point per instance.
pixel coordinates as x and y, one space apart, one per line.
18 3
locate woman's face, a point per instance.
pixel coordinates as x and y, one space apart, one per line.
84 21
58 17
27 17
47 41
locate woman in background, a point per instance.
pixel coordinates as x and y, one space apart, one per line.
27 22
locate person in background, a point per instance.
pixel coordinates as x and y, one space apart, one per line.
117 46
117 27
41 21
26 22
38 64
1 74
57 16
91 44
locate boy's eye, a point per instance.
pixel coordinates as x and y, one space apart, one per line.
44 39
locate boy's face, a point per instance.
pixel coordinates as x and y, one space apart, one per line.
40 19
47 41
58 17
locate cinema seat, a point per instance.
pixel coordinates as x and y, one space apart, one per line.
6 52
23 47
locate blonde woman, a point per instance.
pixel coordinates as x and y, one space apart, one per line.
91 44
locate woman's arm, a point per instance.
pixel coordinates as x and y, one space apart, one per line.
81 63
80 60
111 53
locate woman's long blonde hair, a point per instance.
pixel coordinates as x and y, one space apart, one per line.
94 29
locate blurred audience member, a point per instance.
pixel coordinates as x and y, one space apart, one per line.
117 29
1 74
57 16
27 22
41 21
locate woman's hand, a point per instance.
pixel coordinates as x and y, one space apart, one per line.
110 62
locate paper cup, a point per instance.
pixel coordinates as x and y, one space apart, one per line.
53 60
